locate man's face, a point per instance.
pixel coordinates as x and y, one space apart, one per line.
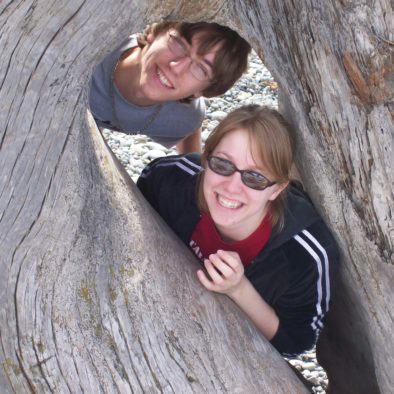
166 74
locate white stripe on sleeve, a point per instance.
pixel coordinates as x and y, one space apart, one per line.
317 320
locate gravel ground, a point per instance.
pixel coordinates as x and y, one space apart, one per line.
134 152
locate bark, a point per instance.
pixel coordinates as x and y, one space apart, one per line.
97 295
334 64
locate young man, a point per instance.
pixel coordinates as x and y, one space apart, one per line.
154 84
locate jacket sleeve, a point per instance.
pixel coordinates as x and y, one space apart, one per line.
305 298
168 185
150 182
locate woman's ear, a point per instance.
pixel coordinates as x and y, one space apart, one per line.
278 188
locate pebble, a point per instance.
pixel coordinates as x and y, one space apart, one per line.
154 154
308 366
256 87
217 115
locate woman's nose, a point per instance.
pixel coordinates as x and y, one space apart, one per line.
234 182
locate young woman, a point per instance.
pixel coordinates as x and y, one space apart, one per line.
260 239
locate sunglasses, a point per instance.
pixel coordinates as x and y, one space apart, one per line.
252 179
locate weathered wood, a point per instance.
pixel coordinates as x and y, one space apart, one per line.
334 63
96 295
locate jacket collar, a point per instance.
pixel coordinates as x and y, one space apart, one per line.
299 214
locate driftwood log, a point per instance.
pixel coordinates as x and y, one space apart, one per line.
96 294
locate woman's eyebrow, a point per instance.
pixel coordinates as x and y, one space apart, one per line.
228 157
222 153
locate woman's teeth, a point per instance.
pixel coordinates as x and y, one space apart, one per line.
228 203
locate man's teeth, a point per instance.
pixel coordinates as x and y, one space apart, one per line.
228 203
163 79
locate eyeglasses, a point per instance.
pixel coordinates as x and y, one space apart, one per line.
252 179
179 49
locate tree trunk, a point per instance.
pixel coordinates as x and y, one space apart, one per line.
97 295
334 64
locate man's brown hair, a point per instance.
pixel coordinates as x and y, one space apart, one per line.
231 59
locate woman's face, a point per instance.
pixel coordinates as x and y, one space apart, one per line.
236 209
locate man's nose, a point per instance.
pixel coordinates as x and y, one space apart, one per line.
181 64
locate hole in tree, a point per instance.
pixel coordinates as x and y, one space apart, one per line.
256 86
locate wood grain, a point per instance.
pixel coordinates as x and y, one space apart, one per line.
96 294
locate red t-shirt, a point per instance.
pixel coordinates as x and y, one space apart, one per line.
206 240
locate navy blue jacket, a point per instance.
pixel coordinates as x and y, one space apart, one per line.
292 273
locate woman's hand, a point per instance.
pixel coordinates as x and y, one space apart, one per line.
226 271
227 277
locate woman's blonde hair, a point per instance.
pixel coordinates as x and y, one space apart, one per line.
271 139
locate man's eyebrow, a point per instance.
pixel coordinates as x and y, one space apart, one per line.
206 61
202 54
210 64
182 40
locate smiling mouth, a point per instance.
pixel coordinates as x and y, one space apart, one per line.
226 203
162 78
